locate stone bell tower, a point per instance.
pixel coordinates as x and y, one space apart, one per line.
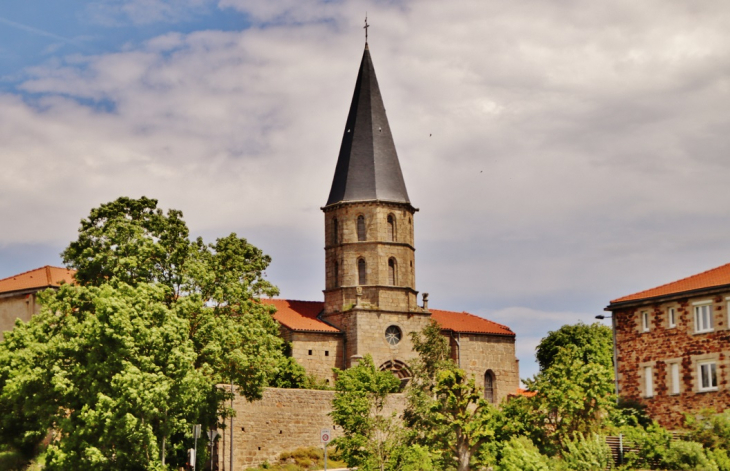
369 245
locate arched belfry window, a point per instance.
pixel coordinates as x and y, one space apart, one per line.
361 228
391 228
362 276
337 275
392 266
489 386
335 231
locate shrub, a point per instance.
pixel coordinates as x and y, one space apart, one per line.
710 428
520 454
587 454
720 457
651 446
687 456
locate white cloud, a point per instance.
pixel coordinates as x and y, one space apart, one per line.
562 153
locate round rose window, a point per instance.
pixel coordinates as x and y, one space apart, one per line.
393 334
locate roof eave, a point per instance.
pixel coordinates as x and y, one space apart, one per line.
614 306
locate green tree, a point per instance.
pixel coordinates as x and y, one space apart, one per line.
123 362
371 438
462 420
573 396
594 344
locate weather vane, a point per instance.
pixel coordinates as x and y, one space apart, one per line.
366 28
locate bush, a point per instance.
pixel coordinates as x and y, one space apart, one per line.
710 428
651 443
587 454
411 458
720 457
520 454
688 456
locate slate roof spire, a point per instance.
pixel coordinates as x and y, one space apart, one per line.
367 167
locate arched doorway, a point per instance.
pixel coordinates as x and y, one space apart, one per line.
399 369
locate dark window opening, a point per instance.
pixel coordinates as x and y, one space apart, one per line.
337 275
335 231
326 353
361 272
310 352
391 272
361 228
391 228
489 386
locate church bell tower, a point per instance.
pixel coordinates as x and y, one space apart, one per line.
369 244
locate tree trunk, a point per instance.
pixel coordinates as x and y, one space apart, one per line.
464 454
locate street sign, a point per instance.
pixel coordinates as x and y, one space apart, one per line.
212 434
196 431
325 436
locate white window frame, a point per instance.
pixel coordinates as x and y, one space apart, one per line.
703 315
671 318
674 374
648 381
645 321
710 366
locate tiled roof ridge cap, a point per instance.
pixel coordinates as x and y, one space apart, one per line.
639 293
45 267
478 317
292 300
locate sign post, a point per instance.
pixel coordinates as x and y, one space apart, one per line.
196 435
325 437
211 436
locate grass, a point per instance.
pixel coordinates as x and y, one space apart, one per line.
303 459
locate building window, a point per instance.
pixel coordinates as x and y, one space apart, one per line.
671 317
335 231
337 275
489 386
392 272
326 353
393 334
703 318
362 278
310 352
361 228
648 382
645 321
391 228
708 375
674 376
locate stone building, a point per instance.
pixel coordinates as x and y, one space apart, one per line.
370 299
18 294
673 345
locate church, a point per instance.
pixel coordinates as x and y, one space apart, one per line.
370 300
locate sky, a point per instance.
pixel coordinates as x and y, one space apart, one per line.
562 154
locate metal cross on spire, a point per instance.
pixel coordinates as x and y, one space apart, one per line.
366 28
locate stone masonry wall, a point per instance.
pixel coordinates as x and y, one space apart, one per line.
662 345
318 353
283 420
480 353
16 307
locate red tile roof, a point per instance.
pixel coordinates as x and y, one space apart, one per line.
465 323
711 278
37 279
300 316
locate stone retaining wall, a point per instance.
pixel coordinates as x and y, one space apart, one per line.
283 420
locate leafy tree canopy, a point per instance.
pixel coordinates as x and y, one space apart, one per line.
593 343
121 364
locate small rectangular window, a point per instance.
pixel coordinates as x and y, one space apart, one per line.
326 353
674 373
672 317
310 352
648 382
708 376
645 321
703 318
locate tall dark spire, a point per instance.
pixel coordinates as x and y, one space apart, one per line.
367 167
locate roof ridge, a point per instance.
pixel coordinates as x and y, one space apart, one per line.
295 300
478 317
671 283
30 271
